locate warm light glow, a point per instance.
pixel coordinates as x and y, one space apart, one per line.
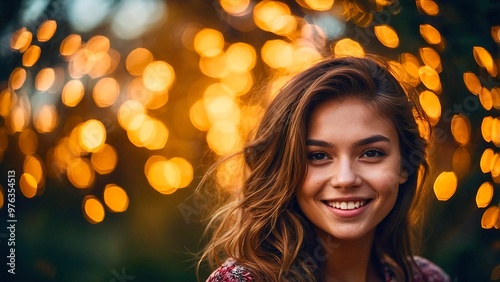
430 34
428 7
431 58
128 112
72 93
185 169
7 101
46 119
238 83
484 59
319 5
80 173
411 65
1 196
34 166
240 57
115 198
235 7
70 44
445 185
277 53
461 162
138 60
31 56
348 47
495 132
484 195
198 116
485 98
472 83
486 158
208 42
104 161
21 39
102 65
490 217
461 129
273 16
81 63
215 67
28 185
223 137
92 135
17 78
45 79
158 76
495 33
98 44
162 175
28 142
431 106
46 30
93 209
495 97
106 92
486 127
386 35
430 78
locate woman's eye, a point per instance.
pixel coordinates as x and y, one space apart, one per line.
373 153
317 156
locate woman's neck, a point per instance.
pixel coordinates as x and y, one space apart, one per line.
349 260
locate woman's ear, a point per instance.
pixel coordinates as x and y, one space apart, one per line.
403 175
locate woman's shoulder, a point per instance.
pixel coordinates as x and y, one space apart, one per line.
230 271
430 271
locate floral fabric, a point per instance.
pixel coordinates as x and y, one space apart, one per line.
230 271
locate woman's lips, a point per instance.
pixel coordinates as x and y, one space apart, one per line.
346 205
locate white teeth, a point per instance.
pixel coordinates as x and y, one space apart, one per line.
351 205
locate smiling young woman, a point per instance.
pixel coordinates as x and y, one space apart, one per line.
334 175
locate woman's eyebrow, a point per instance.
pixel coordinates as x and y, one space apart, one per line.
359 143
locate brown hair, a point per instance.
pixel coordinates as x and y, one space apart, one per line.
261 225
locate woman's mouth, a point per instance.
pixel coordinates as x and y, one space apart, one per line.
347 205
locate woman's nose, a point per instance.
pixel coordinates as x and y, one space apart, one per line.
344 174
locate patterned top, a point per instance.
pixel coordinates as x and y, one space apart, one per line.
230 271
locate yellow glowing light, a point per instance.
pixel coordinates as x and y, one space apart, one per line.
19 118
98 44
17 78
445 185
460 129
224 138
431 58
101 66
495 166
128 112
198 116
93 209
484 59
240 57
31 56
461 162
104 161
72 93
486 158
46 30
235 7
495 33
411 66
348 47
158 76
485 98
430 34
35 167
271 15
431 105
162 175
158 100
472 83
277 53
21 39
28 142
137 91
486 127
7 101
1 196
215 66
46 119
208 42
495 132
490 217
106 92
495 97
45 79
28 185
320 5
81 63
428 7
154 134
484 195
430 78
92 135
239 83
115 198
138 60
70 44
80 173
185 169
386 35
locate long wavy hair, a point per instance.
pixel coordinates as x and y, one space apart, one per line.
261 226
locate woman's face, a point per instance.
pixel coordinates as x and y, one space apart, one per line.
353 169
